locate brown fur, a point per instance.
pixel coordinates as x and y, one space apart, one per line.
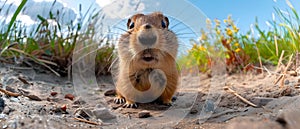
134 71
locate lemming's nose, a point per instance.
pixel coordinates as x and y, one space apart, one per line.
147 26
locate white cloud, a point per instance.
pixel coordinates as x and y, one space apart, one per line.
43 0
51 1
103 3
60 1
25 19
122 8
15 2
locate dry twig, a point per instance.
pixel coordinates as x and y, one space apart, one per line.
281 78
285 71
269 73
86 121
276 45
9 93
278 79
260 62
240 97
280 60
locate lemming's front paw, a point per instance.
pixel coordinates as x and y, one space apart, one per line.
158 78
119 100
130 105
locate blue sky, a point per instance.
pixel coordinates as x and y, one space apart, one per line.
243 11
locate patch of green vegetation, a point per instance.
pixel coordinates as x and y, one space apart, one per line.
242 51
52 44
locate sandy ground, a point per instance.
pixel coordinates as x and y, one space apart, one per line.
47 101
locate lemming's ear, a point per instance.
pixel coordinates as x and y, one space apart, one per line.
130 24
167 21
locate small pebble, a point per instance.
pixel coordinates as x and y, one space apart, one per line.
209 106
110 92
174 98
193 111
58 110
286 82
2 104
261 101
79 101
144 114
103 114
3 116
286 92
69 96
53 93
14 99
34 97
64 108
99 106
7 110
8 88
10 81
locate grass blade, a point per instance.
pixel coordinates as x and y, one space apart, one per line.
13 19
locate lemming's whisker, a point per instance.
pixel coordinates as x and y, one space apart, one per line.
186 37
182 44
114 33
122 29
175 25
182 29
183 9
192 33
113 63
83 56
163 54
109 35
132 52
85 47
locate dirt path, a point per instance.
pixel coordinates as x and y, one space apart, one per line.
47 101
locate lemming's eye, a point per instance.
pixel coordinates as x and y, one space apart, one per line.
163 24
131 25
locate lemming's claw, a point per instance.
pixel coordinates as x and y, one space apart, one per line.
130 105
119 100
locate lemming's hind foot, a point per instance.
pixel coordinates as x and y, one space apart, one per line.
167 103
